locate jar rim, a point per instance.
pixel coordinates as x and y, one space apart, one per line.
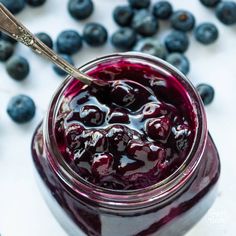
138 197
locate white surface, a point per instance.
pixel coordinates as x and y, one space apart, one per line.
23 211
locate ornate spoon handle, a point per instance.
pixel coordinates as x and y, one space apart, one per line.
12 27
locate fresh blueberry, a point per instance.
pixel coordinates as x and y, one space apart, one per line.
210 3
177 41
80 9
162 10
183 20
179 61
18 67
226 12
151 46
14 6
145 23
95 34
35 3
58 70
206 92
21 108
206 33
69 42
124 39
45 38
6 50
7 38
138 4
123 15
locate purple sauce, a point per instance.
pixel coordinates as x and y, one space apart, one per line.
129 135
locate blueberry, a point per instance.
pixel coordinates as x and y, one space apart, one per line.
118 116
226 12
177 41
80 9
102 165
95 34
179 61
118 138
151 110
210 3
124 38
58 70
146 152
92 115
122 94
21 108
98 142
45 38
18 67
158 128
206 92
14 6
162 10
35 3
145 23
183 20
73 136
206 33
7 38
6 50
123 15
151 46
69 42
180 135
138 4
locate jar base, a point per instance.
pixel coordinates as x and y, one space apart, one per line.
177 217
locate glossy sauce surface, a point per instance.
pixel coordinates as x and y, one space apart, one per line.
129 135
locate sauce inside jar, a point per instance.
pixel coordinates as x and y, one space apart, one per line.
129 135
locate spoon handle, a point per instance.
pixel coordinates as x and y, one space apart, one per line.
12 27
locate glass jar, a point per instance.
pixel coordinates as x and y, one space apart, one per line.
171 207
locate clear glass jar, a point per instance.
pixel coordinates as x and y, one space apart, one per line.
171 207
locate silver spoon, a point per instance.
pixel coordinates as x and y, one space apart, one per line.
15 29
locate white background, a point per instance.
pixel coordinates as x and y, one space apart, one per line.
23 211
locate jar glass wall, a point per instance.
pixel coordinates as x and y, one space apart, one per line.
170 207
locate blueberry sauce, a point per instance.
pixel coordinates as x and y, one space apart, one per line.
129 135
